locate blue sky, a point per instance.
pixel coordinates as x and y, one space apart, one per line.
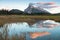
21 4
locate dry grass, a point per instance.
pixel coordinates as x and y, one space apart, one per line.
25 18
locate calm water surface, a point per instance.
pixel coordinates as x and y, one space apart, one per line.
19 28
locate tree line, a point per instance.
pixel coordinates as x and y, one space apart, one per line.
11 12
19 12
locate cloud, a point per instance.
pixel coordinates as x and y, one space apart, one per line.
49 3
46 3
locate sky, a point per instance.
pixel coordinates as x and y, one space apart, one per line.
21 4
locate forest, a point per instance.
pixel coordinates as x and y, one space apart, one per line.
19 12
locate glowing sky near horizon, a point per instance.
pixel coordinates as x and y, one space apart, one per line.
21 4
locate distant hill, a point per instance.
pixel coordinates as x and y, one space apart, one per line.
11 12
15 11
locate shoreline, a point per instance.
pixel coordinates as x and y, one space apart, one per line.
26 18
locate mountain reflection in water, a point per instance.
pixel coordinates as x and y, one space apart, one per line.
40 30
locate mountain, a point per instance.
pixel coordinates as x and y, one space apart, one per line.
49 7
15 11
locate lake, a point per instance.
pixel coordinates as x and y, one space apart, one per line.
24 29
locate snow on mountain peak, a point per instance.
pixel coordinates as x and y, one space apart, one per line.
50 7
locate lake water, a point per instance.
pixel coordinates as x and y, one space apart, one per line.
23 27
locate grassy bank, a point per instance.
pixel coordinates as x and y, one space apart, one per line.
25 18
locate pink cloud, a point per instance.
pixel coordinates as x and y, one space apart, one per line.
46 3
51 4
